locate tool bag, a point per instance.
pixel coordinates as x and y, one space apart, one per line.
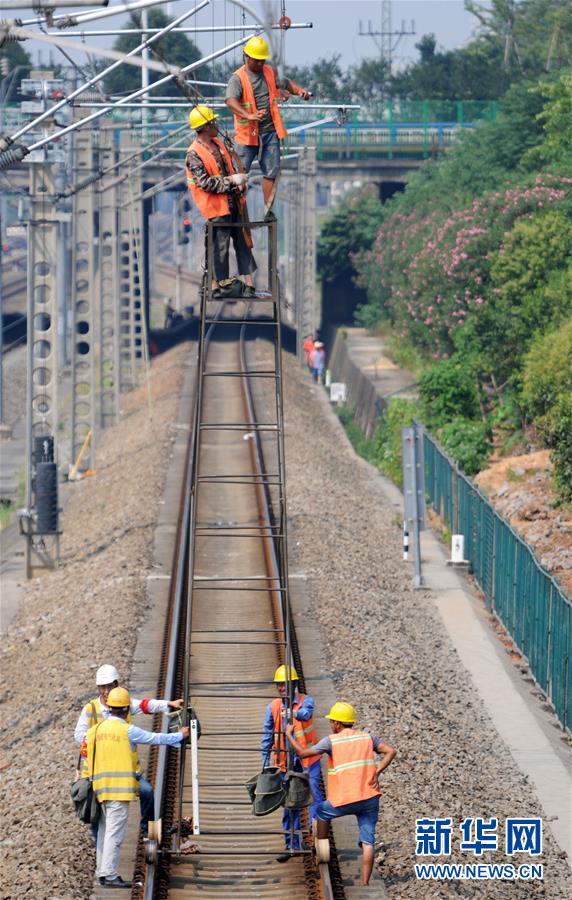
266 791
298 791
83 797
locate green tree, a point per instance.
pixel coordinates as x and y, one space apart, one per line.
350 230
18 63
469 73
546 396
325 78
175 49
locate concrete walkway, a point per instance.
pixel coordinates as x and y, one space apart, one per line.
526 725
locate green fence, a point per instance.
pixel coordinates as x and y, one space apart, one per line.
528 601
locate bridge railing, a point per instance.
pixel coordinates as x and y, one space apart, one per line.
379 140
526 598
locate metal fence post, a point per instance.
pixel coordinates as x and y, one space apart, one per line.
414 491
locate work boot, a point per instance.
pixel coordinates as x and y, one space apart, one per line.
284 857
115 882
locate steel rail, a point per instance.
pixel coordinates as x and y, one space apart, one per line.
276 571
178 590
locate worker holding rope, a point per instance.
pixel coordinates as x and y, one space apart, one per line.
252 94
274 741
218 191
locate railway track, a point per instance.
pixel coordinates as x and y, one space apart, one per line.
230 627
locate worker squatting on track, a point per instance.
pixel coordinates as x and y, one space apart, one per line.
353 774
97 710
112 764
252 94
219 192
274 741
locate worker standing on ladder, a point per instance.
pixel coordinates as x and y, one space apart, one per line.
353 774
252 94
218 191
274 741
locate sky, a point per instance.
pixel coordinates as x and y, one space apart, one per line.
336 26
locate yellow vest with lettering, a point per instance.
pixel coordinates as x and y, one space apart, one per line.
113 775
94 717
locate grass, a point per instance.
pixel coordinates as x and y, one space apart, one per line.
362 445
7 510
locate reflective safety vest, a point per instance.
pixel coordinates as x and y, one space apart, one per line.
352 767
304 732
245 131
210 205
113 775
94 717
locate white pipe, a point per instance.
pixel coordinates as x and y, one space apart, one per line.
41 5
96 14
71 44
201 29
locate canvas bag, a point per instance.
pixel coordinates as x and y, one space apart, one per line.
266 791
83 797
298 791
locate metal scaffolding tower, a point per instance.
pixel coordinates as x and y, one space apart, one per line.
85 303
41 530
304 257
108 282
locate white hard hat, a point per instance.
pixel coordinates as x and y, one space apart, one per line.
106 675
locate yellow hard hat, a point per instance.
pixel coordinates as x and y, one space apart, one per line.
280 674
257 48
342 712
119 698
201 116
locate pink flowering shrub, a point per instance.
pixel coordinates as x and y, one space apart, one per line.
431 272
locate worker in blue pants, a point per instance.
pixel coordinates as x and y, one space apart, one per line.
274 743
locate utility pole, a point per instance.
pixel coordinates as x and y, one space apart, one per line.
40 518
5 431
305 261
385 38
85 303
108 282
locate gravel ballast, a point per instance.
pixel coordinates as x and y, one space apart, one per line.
389 654
73 619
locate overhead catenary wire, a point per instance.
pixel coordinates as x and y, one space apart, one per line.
100 75
68 21
9 156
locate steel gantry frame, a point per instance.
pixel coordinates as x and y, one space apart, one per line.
85 304
109 380
42 359
107 327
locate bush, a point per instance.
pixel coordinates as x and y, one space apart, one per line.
399 414
466 441
362 445
561 455
447 391
546 396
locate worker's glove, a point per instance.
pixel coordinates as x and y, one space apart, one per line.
239 179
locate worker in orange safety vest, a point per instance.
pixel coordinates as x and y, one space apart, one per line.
252 94
352 777
218 191
274 744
